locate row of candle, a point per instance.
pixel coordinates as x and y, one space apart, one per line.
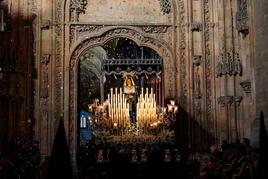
118 108
146 108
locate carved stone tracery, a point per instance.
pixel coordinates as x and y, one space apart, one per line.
165 6
242 23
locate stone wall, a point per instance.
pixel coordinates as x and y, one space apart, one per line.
16 72
130 12
260 61
261 55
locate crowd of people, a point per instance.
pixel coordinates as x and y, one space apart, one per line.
20 162
230 160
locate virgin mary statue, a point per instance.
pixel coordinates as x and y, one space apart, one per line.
129 85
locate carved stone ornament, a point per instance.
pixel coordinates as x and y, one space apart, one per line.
242 17
229 66
46 25
197 60
238 99
155 29
182 53
87 28
77 7
45 58
208 59
229 100
77 31
58 64
225 100
196 26
165 6
221 101
246 85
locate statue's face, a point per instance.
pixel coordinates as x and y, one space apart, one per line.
128 82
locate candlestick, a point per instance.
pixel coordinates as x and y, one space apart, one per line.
119 109
146 109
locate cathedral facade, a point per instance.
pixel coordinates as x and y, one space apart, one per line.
214 61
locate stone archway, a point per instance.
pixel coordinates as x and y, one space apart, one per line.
126 32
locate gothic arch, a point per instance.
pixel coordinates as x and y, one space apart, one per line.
72 74
98 37
66 63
